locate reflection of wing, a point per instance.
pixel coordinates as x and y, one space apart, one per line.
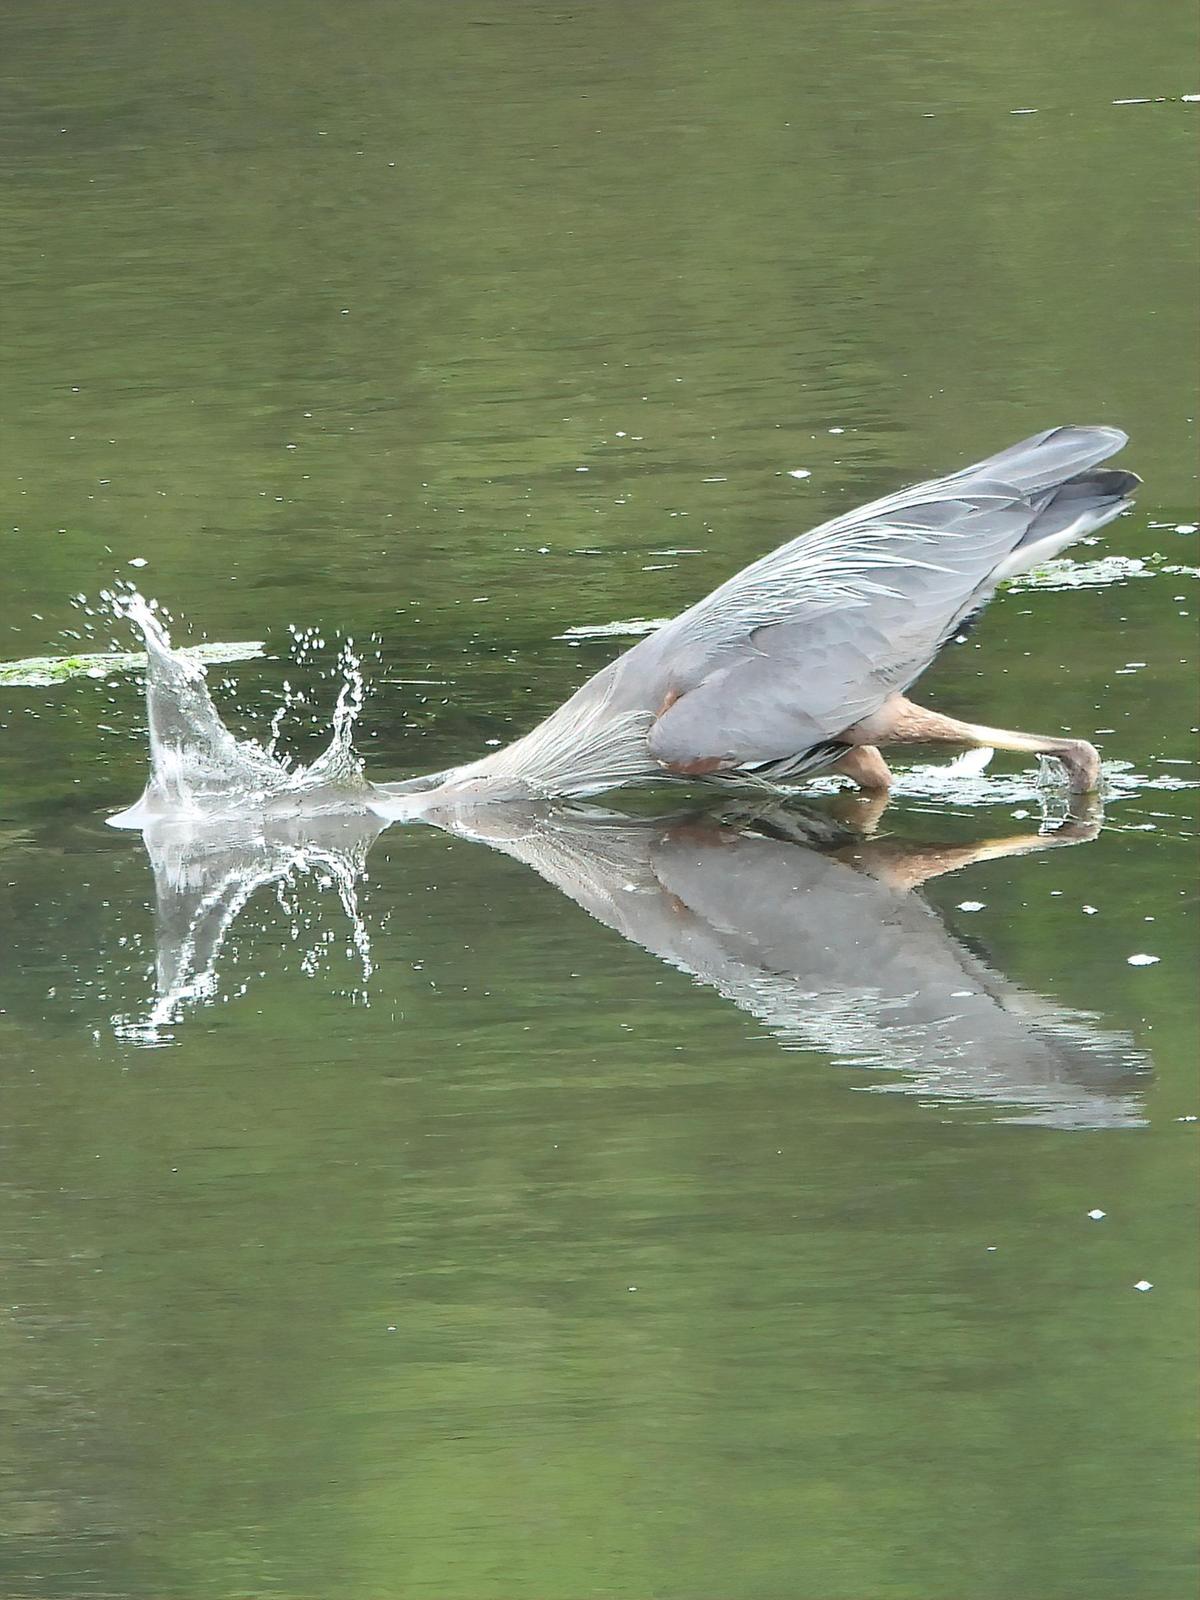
828 957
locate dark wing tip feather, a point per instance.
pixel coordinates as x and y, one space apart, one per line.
1114 481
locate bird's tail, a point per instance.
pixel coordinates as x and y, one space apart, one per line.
1067 512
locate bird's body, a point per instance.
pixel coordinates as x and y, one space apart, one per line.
801 662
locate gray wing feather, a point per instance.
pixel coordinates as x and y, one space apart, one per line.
804 642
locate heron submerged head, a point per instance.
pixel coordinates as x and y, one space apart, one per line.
469 787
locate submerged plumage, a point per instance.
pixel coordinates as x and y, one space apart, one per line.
801 662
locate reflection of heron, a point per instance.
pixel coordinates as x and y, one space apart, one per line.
829 949
804 925
802 661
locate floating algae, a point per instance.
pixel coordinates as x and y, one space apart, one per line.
38 671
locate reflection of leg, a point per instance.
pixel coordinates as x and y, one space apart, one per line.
899 721
865 766
861 809
906 866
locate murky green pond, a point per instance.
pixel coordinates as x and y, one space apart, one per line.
632 1206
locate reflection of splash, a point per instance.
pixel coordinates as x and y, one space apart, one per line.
829 950
205 875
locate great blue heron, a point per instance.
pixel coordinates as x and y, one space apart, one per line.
801 662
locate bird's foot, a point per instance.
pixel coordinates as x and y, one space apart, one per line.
1081 762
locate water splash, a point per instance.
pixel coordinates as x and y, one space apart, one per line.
966 781
200 770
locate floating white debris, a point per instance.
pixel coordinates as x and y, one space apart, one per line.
1067 574
137 561
631 629
1089 911
1186 527
1142 960
1096 1214
971 905
1024 111
799 472
1142 1285
971 764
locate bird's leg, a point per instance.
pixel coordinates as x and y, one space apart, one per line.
899 721
869 771
864 766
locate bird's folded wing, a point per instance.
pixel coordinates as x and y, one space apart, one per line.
818 634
